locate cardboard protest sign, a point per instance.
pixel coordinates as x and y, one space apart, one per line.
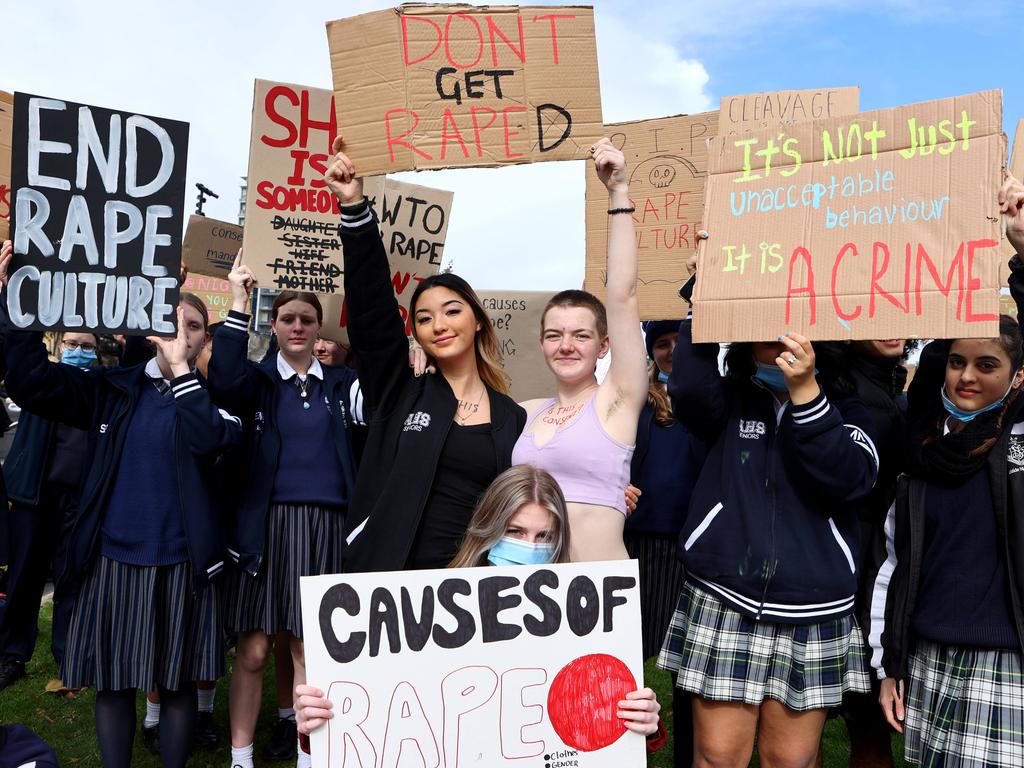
6 135
413 224
881 225
440 86
291 219
754 111
667 164
96 219
215 293
210 246
495 666
516 318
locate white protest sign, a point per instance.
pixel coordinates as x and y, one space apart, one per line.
502 666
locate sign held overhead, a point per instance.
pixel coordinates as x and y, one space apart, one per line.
97 218
413 225
667 162
754 111
876 226
440 86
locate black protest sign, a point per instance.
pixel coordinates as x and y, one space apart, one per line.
96 218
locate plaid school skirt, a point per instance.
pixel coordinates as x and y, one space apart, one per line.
137 626
964 707
301 540
722 655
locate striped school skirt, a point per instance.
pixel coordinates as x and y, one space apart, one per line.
661 579
964 707
137 626
302 540
722 655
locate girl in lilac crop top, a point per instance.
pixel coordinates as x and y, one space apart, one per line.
590 466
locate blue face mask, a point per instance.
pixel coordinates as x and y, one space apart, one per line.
509 551
662 376
967 416
78 357
772 377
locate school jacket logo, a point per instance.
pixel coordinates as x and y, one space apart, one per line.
416 422
751 430
1015 454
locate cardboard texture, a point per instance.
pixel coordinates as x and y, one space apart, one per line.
516 318
291 219
882 225
500 666
667 163
97 218
413 224
215 293
756 111
6 133
210 245
441 86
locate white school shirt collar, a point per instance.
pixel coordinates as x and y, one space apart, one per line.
286 371
153 370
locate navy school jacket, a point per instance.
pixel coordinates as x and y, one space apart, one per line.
102 402
250 390
772 529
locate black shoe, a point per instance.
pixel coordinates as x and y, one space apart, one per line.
282 741
206 731
151 737
10 671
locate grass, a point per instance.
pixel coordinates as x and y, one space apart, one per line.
67 724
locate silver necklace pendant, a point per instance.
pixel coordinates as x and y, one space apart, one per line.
305 405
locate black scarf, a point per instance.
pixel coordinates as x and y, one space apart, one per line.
950 459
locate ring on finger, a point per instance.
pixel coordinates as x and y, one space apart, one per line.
791 359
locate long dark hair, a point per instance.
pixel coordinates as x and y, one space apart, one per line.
488 353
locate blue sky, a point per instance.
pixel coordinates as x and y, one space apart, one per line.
196 61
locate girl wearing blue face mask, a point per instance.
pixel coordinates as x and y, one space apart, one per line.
947 617
43 472
520 520
763 634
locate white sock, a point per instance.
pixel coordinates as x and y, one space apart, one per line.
152 714
241 757
302 759
206 699
286 714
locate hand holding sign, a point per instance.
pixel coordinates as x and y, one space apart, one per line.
1011 205
797 364
242 282
341 176
6 254
611 165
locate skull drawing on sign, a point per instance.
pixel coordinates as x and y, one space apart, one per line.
662 175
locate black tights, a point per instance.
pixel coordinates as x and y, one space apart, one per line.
115 725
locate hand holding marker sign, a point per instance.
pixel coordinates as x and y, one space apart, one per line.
881 225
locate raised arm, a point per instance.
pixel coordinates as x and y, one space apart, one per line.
375 325
233 382
628 370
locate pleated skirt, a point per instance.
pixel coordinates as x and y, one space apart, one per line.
661 578
301 540
141 626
